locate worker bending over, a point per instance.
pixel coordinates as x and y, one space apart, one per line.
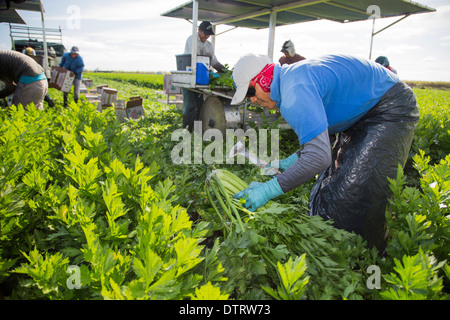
24 77
371 110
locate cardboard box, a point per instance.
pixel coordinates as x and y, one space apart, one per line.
100 88
61 79
83 88
135 112
91 96
120 104
169 87
134 108
108 96
88 83
119 108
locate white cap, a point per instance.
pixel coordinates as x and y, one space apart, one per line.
289 47
244 71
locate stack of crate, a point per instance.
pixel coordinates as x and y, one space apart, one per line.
106 97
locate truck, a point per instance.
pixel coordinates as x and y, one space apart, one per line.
24 36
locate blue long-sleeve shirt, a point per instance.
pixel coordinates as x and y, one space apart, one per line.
318 97
332 92
76 65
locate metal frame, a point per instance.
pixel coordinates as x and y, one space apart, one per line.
187 79
33 5
373 34
263 9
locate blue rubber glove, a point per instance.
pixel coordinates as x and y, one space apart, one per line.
258 194
214 74
283 164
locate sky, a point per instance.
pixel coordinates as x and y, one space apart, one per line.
133 36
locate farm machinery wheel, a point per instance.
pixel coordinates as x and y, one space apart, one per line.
212 114
218 114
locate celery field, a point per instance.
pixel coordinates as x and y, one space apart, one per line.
91 208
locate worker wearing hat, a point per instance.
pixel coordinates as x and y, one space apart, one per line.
73 62
29 51
23 77
372 112
384 61
192 101
290 56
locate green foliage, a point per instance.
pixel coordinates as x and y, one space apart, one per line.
91 208
419 218
291 277
433 130
150 81
222 80
84 207
254 243
415 278
209 292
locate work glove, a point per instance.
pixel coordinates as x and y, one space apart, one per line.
258 194
283 164
213 75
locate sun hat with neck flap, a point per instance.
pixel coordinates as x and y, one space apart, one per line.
247 67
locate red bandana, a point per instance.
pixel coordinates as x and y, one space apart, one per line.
264 78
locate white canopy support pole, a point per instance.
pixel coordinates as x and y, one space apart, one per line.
371 38
47 73
375 33
213 38
194 42
272 25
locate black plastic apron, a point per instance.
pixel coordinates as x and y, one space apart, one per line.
354 190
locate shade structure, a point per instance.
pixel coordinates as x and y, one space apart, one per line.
29 5
10 7
255 14
260 14
10 16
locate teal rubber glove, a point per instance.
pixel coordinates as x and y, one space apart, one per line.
283 164
258 194
213 74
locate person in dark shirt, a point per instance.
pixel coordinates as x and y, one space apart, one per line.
24 77
290 56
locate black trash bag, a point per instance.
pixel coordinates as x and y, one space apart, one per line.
354 190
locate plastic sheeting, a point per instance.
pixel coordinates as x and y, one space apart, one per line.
354 190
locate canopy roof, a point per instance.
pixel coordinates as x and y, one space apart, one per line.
256 13
10 16
8 9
